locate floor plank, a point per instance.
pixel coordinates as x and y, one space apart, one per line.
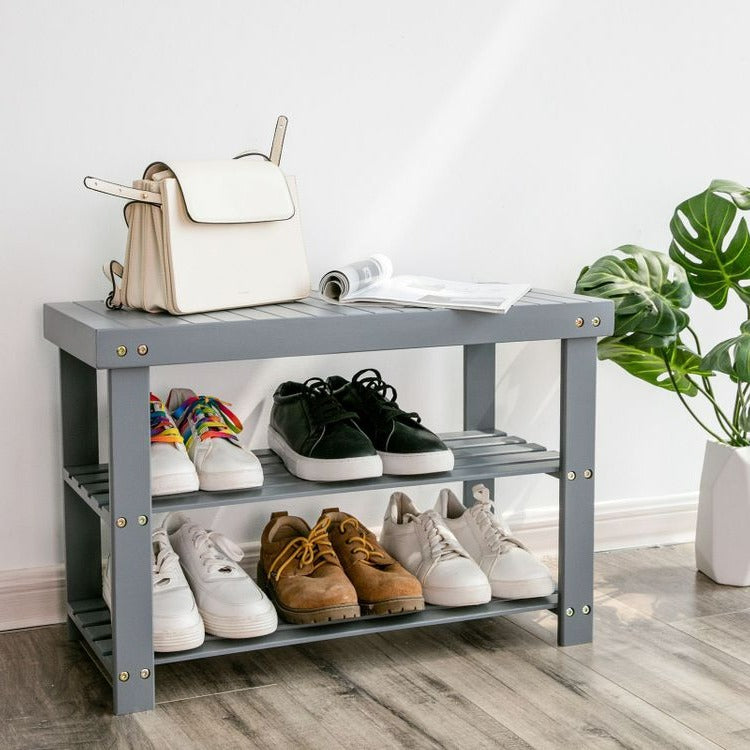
669 668
662 582
701 687
542 695
728 632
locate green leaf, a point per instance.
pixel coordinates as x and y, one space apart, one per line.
732 356
649 363
649 291
739 194
714 262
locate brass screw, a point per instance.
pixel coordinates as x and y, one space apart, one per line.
145 673
142 349
123 676
121 350
571 475
570 612
579 322
596 321
142 520
588 473
585 609
121 522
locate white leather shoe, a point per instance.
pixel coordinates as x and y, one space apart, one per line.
513 571
172 471
230 603
177 623
426 548
209 430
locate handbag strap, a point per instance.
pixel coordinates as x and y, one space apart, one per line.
278 139
114 270
122 191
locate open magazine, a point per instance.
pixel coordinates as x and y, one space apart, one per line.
372 280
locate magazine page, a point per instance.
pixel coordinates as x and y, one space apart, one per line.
340 286
423 291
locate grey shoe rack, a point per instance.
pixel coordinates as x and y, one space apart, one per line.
116 496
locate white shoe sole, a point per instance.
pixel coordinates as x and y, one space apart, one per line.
324 469
530 589
457 597
430 462
234 480
181 639
237 627
173 484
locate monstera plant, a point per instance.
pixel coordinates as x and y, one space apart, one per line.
709 257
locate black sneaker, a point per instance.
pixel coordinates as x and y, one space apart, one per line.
405 445
316 437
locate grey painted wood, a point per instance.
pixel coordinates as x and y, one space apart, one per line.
130 497
78 400
127 343
478 455
479 404
92 619
92 333
576 535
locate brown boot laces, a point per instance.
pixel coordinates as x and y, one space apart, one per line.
315 549
366 546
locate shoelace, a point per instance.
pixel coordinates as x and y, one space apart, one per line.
495 534
217 553
324 407
443 545
314 549
366 546
164 558
382 395
163 428
207 417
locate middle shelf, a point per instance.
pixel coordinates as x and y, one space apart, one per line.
478 455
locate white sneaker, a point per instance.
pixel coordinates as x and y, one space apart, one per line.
209 430
513 571
176 621
172 470
230 603
426 548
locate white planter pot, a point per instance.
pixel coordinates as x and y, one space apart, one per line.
722 534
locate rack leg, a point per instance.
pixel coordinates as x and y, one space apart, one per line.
576 544
130 499
80 446
479 400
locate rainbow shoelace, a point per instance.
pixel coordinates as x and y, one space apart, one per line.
163 429
206 417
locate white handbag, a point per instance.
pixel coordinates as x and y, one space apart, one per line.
210 235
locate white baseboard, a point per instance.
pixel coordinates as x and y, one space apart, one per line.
31 597
36 596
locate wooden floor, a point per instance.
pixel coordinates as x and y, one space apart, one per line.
669 668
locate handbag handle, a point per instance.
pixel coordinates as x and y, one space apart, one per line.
278 139
122 191
277 144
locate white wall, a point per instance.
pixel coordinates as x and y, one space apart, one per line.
483 140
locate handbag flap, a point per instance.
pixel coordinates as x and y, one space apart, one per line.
240 191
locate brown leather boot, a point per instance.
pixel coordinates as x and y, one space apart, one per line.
383 586
301 573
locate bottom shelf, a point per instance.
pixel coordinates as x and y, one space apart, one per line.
93 621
